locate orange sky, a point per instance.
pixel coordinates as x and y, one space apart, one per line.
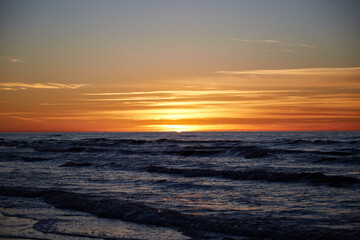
301 99
140 66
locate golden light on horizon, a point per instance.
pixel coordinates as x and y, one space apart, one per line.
173 128
285 103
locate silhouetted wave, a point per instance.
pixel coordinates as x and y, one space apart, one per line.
312 142
35 159
195 226
336 160
76 164
197 148
260 175
137 212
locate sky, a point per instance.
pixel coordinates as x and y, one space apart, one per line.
185 65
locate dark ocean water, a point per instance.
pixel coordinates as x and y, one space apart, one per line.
229 185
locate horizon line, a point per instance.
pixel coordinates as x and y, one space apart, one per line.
3 132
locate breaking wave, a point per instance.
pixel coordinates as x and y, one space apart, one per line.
195 226
260 175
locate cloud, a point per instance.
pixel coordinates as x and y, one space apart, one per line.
25 86
28 119
305 45
127 93
10 59
299 71
287 50
175 93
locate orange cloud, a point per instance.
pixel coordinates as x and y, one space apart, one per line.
11 59
25 86
288 99
301 71
305 45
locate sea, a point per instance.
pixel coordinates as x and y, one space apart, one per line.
189 185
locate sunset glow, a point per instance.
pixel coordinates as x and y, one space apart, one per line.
180 66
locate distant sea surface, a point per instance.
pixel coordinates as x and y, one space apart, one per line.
190 185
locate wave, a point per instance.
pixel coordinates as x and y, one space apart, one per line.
115 142
34 159
168 140
221 151
260 175
192 225
194 153
195 226
166 184
14 143
336 160
183 148
104 142
339 153
316 141
76 164
185 151
108 142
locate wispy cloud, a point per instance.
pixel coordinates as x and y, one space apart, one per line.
28 119
300 71
10 59
127 93
271 41
287 50
25 86
176 93
293 107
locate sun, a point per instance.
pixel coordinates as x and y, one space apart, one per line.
173 128
177 128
